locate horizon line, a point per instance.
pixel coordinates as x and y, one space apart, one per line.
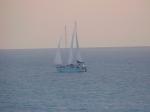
80 47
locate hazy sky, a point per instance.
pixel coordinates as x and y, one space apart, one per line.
101 23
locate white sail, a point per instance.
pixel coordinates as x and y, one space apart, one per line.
74 56
58 58
71 57
78 55
71 53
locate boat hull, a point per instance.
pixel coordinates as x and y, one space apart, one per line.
70 69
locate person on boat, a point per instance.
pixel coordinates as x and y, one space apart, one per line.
85 69
71 65
79 61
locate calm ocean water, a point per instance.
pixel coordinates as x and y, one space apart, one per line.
118 80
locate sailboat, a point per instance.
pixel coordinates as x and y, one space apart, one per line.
75 62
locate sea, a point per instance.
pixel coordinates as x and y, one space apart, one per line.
117 80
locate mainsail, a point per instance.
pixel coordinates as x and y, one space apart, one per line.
78 55
74 55
71 57
58 58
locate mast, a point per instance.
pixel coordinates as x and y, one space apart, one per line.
65 37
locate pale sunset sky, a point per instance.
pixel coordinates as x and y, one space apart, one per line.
101 23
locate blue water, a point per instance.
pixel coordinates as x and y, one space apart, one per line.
118 80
